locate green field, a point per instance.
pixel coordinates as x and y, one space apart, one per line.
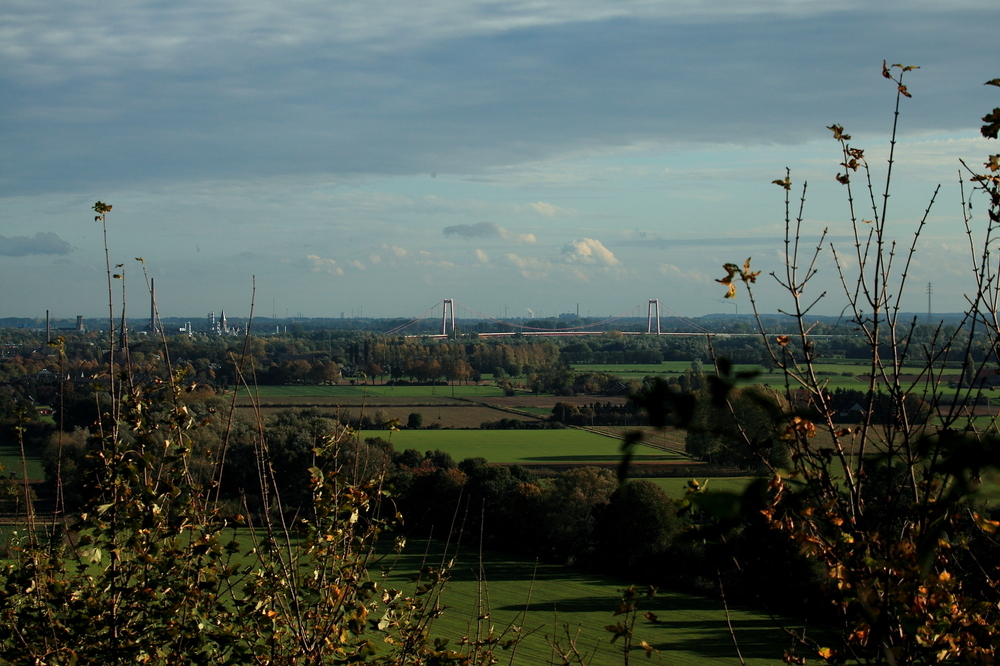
676 488
692 629
517 446
834 373
381 390
10 458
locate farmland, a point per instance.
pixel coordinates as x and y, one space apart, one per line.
439 415
835 373
454 426
523 447
690 629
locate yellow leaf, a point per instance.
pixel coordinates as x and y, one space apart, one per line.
838 133
985 524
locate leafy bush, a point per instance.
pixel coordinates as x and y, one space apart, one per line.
888 508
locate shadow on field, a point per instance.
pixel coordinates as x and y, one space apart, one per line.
689 628
690 624
590 604
757 638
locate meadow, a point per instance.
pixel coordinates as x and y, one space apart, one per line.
10 459
525 447
550 600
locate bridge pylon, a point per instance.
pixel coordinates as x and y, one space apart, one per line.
447 304
654 303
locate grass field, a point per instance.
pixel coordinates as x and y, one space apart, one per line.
381 390
10 458
692 629
517 446
677 487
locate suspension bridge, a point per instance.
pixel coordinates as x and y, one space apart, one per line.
448 317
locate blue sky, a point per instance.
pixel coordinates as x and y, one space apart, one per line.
381 156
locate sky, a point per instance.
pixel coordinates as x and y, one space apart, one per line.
524 158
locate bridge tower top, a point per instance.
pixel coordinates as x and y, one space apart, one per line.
654 304
446 305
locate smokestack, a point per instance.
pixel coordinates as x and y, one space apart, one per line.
48 328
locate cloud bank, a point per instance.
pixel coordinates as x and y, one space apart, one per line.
487 230
190 90
41 243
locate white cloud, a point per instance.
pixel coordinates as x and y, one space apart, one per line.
322 265
519 238
676 273
549 210
588 251
482 257
356 264
375 258
530 268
